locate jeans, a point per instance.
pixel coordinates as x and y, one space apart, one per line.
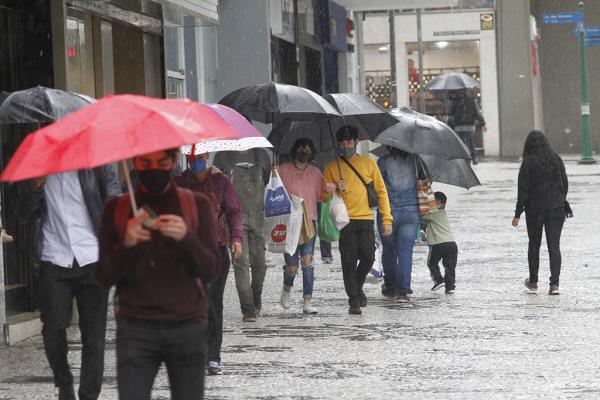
397 255
552 222
448 253
308 271
357 252
324 244
250 268
142 347
215 308
58 287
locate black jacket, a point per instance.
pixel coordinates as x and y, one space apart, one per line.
541 190
98 186
464 111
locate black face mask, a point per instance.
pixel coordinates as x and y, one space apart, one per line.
302 156
155 180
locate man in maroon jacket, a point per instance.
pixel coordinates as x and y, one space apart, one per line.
160 268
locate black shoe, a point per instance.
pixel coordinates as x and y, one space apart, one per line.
438 285
362 299
475 162
385 291
355 310
409 291
66 393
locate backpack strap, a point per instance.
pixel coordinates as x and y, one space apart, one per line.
189 210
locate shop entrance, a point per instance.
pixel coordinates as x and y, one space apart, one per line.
438 58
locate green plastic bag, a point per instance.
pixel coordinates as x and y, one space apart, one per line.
327 229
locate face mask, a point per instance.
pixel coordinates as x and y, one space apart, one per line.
348 152
155 180
198 165
302 156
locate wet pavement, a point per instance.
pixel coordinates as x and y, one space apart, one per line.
491 339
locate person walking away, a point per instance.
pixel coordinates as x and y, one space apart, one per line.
199 178
160 262
304 180
542 194
357 239
464 115
398 170
65 210
442 246
249 172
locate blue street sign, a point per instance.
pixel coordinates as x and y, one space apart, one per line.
590 31
592 41
562 18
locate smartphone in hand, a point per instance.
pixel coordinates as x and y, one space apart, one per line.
149 222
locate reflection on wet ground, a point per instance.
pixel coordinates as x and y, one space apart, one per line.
490 340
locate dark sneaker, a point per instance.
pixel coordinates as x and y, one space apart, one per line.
386 292
327 260
554 290
437 286
214 368
66 393
449 291
362 299
532 286
249 318
402 298
409 291
355 310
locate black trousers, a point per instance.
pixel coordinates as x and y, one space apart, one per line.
468 139
215 308
357 252
142 347
552 222
58 287
448 253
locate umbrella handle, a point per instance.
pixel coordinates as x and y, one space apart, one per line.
129 187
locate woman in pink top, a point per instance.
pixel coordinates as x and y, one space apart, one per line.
303 180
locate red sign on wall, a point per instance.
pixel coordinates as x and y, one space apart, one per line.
72 52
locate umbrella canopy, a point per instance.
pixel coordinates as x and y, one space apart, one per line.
250 137
457 172
40 105
272 102
424 135
453 81
115 128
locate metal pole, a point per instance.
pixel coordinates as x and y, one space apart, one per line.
393 83
420 50
586 139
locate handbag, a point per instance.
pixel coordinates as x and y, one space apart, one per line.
370 187
307 232
425 196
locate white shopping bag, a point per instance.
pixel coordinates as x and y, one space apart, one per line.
339 212
282 232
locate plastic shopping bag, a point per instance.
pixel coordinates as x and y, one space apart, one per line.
327 229
339 212
277 200
283 231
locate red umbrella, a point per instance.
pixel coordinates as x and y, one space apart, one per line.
115 128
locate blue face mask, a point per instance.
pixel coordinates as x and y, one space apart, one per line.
198 165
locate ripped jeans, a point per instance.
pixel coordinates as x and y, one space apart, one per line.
308 271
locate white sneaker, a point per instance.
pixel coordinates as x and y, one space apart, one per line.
285 298
309 309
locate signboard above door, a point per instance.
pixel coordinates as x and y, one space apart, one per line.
362 5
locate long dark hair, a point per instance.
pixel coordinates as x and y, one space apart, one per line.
303 141
538 155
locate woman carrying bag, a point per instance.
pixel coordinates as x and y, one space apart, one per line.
542 194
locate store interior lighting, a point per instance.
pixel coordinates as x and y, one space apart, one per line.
442 44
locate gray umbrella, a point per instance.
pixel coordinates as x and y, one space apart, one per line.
453 81
457 172
40 105
424 135
272 102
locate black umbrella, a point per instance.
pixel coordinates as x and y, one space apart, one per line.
271 102
356 110
424 135
39 105
453 81
457 172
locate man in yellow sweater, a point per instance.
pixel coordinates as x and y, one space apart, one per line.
357 239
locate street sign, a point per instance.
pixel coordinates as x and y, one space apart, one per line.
592 41
590 31
562 18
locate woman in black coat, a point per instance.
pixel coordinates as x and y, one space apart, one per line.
543 187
